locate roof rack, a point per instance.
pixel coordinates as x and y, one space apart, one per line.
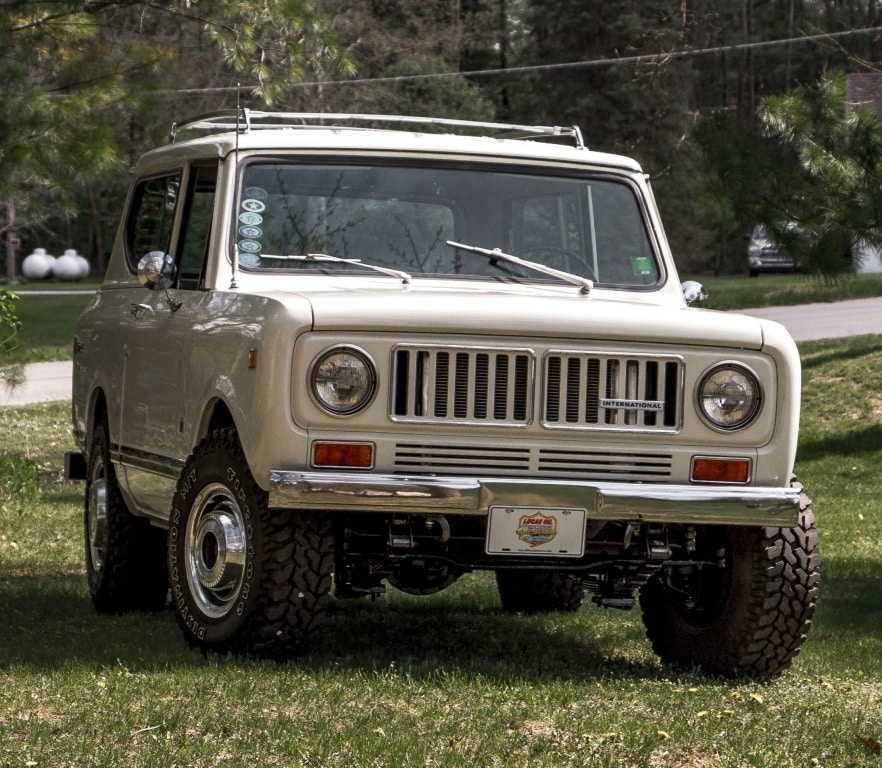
246 120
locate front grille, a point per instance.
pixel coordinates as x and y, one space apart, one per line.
463 385
472 460
604 391
605 465
461 459
580 390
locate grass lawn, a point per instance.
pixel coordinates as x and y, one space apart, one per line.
446 680
48 313
740 292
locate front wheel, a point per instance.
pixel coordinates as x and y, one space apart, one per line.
748 614
244 578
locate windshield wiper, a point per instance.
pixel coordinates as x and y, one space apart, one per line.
316 257
585 285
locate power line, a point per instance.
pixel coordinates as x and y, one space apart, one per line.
645 58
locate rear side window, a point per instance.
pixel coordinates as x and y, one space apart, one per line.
152 216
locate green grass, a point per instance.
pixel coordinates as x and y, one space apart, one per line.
446 680
48 319
740 292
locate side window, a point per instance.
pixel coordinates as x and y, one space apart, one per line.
196 228
152 216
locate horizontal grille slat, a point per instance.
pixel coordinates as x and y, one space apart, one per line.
543 463
599 464
460 459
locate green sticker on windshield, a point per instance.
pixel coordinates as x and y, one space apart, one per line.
642 265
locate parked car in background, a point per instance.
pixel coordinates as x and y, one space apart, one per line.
764 254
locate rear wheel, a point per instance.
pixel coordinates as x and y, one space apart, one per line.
244 578
525 591
125 555
749 615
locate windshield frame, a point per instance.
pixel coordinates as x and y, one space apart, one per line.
380 160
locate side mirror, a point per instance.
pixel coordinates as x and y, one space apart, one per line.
156 270
694 292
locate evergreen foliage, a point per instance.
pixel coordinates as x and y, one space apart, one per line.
813 176
90 84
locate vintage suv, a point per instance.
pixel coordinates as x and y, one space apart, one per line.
341 351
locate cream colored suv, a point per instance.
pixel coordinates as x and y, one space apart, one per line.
333 353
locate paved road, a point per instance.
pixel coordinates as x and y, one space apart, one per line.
826 321
46 382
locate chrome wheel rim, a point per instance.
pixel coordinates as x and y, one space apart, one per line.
96 521
216 551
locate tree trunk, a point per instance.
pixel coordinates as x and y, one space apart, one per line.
10 247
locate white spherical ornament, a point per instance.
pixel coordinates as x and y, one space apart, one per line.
66 267
38 265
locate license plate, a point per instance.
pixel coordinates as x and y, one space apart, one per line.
552 532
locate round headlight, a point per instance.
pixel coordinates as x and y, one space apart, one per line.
729 396
343 380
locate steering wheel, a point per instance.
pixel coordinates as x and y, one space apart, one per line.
587 267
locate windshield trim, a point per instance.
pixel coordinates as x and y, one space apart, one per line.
459 163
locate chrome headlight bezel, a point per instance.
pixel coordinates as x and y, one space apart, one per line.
729 396
342 380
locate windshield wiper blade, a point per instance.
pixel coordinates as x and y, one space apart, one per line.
585 285
403 276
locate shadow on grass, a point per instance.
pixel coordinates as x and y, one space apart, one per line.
818 354
851 597
440 635
49 623
865 440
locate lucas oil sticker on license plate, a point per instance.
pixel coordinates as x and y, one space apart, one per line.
551 532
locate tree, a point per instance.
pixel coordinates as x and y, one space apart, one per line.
813 177
83 79
415 51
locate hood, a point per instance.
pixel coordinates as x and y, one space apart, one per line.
565 315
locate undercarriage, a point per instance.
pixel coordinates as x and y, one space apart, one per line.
425 554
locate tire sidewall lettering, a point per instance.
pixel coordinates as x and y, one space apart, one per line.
203 628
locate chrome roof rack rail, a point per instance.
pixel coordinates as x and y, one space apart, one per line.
251 120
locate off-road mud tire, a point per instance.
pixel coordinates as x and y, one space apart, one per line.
750 617
125 555
280 592
526 591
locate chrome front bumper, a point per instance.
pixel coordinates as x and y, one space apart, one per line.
631 502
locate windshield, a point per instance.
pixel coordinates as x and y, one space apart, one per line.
410 218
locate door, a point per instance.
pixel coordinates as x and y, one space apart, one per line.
172 214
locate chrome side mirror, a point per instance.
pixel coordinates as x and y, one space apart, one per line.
694 292
156 270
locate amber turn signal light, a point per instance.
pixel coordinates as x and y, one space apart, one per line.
353 455
710 470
